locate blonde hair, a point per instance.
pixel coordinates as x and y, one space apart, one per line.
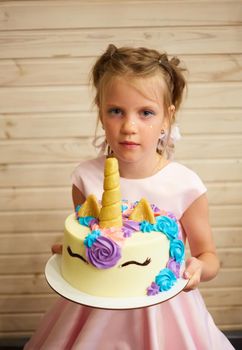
139 63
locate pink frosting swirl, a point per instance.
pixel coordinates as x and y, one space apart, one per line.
104 253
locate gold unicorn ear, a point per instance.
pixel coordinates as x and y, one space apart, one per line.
90 207
110 213
142 212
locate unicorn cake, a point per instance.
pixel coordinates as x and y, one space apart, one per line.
115 248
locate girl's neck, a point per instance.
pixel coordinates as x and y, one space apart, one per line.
137 170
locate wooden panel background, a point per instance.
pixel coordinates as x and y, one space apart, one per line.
47 125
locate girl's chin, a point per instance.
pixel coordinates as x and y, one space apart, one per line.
129 157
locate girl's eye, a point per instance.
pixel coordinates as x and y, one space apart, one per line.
147 113
115 111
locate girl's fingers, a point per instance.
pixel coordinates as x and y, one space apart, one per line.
193 282
193 273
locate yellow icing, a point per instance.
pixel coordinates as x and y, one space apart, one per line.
110 213
143 211
131 280
90 207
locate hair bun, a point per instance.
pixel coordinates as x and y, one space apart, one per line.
111 50
175 61
163 58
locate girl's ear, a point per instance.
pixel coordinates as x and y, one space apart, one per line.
171 112
169 118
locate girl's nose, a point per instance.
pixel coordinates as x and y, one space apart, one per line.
129 126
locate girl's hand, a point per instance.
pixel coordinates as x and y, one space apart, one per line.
204 264
56 249
193 272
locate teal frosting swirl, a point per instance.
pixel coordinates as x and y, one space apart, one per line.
85 220
177 250
165 279
146 226
77 208
124 207
91 238
166 225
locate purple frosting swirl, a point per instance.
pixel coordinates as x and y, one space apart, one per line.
174 266
104 253
129 226
155 208
153 289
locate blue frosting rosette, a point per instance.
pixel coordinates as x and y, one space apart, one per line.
168 276
146 226
91 238
177 250
166 225
165 279
85 221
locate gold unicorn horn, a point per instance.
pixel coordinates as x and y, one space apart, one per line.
110 213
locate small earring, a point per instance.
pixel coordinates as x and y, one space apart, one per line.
161 142
109 152
162 134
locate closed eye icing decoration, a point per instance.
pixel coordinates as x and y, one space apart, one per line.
133 262
75 255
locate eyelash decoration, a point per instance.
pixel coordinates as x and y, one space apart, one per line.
75 255
146 262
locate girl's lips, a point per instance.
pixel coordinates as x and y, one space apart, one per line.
129 144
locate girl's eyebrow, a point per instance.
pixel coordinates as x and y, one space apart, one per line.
110 105
149 107
143 107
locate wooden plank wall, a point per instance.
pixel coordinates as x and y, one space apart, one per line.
46 127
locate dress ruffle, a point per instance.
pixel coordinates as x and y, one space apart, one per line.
180 323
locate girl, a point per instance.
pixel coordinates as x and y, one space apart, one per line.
138 92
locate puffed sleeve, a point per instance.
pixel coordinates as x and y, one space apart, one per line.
76 178
192 187
88 177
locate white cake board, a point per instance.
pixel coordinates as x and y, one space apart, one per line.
60 286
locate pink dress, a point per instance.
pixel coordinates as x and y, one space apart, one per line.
182 322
